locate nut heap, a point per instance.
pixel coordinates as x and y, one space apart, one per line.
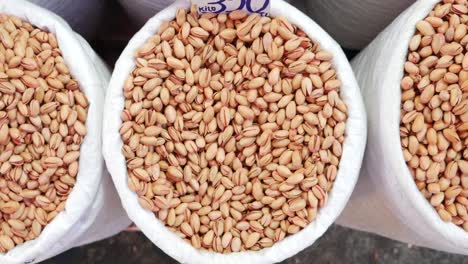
42 117
434 116
233 129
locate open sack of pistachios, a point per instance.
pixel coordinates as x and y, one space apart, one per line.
414 79
54 191
233 138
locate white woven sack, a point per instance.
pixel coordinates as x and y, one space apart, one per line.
355 23
82 15
168 241
142 10
93 210
386 200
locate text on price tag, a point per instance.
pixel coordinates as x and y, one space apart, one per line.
261 7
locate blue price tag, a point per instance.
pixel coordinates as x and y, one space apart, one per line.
261 7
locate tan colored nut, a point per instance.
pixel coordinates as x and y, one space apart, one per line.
233 129
434 110
42 125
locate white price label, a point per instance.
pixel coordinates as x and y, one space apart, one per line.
261 7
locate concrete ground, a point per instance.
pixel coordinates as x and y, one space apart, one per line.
338 245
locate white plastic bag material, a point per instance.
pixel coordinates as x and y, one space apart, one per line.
82 15
355 23
168 241
386 200
92 210
142 10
